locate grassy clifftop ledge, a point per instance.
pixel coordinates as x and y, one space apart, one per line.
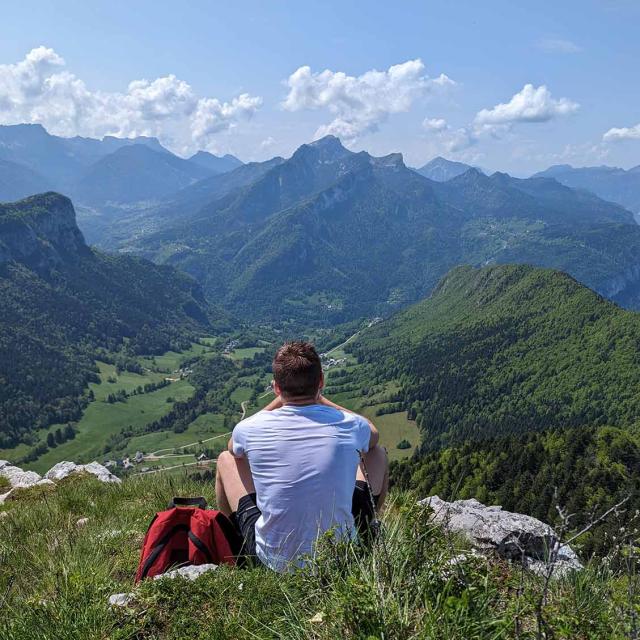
57 571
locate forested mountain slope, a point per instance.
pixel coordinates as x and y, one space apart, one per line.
62 302
506 350
330 235
584 470
526 388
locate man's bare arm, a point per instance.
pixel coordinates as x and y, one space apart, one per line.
276 403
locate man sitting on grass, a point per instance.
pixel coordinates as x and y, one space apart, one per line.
292 471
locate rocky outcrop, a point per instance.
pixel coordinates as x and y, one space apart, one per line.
17 477
65 469
20 479
513 536
40 232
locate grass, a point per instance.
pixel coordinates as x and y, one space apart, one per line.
102 419
393 428
247 352
202 428
56 577
171 360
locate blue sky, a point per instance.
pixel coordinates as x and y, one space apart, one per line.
515 86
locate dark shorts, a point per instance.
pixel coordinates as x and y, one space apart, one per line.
247 515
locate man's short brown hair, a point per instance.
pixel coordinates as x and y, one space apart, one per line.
297 369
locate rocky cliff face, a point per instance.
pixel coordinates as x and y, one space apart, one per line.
40 232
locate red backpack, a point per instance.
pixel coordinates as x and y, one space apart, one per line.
183 535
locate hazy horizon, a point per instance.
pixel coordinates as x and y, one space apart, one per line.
507 88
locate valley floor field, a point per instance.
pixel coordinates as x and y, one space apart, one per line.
206 435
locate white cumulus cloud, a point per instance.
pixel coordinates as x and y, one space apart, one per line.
40 89
622 133
434 124
359 104
531 104
452 140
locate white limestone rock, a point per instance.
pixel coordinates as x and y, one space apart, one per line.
190 572
121 599
65 469
19 478
513 536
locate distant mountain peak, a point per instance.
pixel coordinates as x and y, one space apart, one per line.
216 164
440 169
390 160
328 141
609 183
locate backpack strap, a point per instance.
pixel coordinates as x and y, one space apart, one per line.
201 546
159 547
200 502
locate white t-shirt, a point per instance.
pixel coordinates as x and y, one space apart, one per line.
304 461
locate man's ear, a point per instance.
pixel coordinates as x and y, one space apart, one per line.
321 387
276 388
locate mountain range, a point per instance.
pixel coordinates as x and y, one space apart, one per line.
114 171
329 235
64 304
326 235
609 183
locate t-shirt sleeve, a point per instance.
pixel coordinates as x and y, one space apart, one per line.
364 434
239 439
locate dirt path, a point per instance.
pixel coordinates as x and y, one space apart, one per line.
158 455
176 466
154 455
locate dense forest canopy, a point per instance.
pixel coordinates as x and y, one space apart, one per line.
525 385
509 349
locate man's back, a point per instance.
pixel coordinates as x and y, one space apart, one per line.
303 461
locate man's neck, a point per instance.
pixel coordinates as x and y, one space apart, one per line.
299 402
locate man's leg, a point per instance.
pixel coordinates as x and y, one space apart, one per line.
233 481
377 465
